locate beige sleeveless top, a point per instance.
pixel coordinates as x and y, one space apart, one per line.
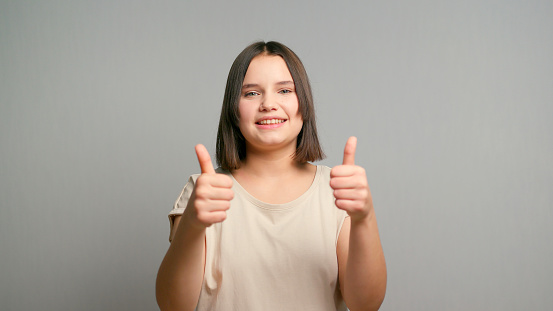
272 256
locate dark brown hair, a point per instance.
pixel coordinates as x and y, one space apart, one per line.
231 145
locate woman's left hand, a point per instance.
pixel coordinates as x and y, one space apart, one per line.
350 185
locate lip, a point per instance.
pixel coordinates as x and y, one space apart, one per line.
270 118
270 126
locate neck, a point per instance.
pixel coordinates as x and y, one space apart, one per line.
262 164
270 163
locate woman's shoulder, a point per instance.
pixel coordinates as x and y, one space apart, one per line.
324 171
192 178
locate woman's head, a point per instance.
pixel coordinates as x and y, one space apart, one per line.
231 145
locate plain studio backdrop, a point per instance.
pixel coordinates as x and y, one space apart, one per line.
102 103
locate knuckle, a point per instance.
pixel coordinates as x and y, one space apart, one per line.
359 206
202 218
230 195
225 206
200 193
227 180
201 179
200 205
203 192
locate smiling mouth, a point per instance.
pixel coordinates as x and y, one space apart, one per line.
270 121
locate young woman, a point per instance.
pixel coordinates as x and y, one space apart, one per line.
268 230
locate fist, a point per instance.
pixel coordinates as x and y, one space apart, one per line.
351 189
212 193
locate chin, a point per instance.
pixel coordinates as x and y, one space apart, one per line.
274 142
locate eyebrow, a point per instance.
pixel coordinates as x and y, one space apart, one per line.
245 86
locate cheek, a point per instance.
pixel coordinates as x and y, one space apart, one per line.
299 123
297 117
242 112
296 108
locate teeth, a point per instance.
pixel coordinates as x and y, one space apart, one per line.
271 121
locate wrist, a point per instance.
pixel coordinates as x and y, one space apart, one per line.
363 219
192 222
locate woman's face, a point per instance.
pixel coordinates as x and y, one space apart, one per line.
269 115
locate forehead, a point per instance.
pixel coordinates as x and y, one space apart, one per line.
267 69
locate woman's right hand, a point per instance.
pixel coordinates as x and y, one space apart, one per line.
212 194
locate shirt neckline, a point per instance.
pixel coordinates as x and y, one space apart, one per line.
278 207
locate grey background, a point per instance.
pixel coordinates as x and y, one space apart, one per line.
103 101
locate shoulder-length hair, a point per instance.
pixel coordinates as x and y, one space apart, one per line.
231 145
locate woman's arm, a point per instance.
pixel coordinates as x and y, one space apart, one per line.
361 264
180 276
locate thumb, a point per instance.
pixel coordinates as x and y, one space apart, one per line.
204 159
349 151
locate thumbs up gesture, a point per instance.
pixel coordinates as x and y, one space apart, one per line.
212 193
351 189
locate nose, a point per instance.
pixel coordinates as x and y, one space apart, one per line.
268 103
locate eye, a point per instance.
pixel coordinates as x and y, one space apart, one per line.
285 91
250 94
